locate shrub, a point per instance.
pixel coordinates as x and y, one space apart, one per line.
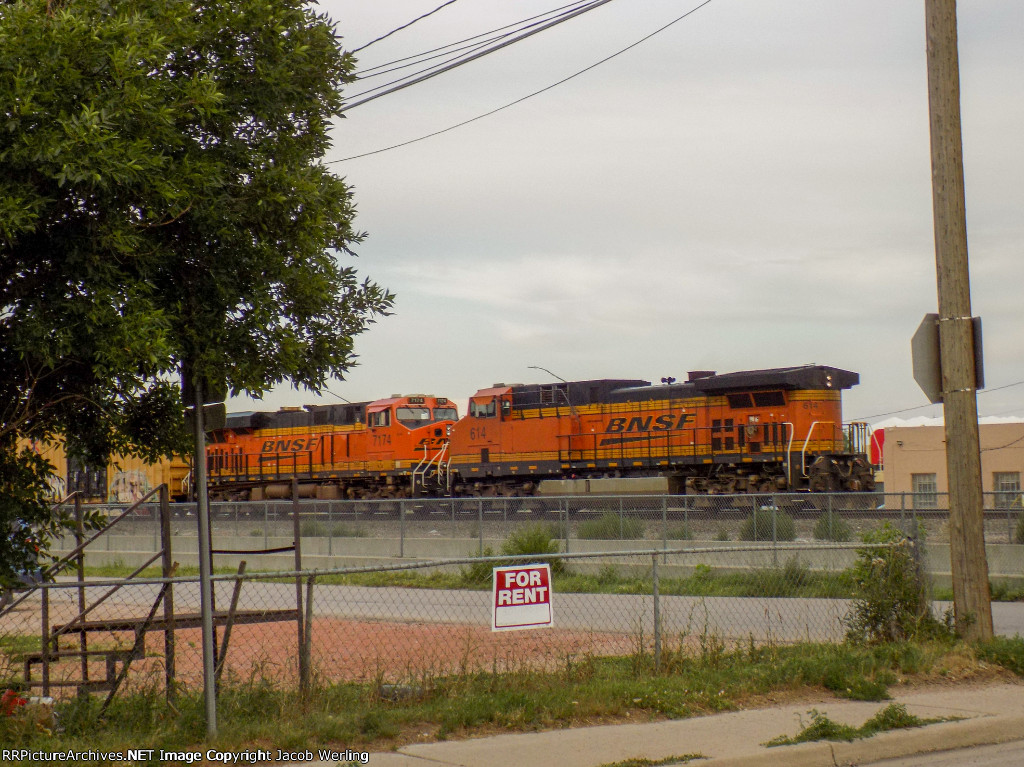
892 603
537 538
1018 534
679 533
341 530
758 526
611 526
311 528
478 573
832 527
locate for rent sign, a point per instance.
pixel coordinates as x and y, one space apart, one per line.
521 597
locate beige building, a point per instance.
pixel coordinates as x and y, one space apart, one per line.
915 463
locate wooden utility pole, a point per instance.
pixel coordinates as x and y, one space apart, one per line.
971 603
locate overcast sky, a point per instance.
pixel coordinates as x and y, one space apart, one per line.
749 188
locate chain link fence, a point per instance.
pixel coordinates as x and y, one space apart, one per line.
372 624
346 533
395 591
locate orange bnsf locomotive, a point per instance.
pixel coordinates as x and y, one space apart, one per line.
754 431
388 448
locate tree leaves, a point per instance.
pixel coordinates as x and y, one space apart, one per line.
162 199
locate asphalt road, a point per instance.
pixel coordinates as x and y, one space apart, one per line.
780 619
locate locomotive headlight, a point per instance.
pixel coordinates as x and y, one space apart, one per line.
828 381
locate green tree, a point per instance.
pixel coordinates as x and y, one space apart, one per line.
162 199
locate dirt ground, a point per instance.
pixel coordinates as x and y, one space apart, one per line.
347 650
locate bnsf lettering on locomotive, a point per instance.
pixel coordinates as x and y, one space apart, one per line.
661 423
289 445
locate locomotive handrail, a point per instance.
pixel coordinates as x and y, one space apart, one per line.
803 453
789 452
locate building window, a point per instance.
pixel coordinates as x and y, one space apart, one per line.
1007 487
925 489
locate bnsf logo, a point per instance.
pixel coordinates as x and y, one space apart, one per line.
286 445
650 423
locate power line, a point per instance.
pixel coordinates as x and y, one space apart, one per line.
921 407
362 74
528 96
465 60
399 29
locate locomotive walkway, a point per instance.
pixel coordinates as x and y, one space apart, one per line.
984 714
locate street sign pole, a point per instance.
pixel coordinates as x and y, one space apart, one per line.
205 586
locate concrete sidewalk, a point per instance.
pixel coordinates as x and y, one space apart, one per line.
988 714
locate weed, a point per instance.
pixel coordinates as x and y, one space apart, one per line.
892 602
722 535
892 717
679 533
641 762
820 728
311 528
832 527
535 539
340 530
611 526
1004 651
256 532
768 524
1018 533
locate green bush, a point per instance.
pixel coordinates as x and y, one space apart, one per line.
679 533
832 527
611 526
758 526
1018 534
537 538
311 528
892 603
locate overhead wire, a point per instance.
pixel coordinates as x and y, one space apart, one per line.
362 73
930 404
479 54
528 96
404 26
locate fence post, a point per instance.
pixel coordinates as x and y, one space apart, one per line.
480 525
83 637
306 648
45 636
168 570
831 532
775 532
300 628
664 526
622 533
903 511
401 529
565 522
657 613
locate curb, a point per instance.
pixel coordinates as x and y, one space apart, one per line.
945 736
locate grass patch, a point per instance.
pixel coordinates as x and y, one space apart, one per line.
768 525
704 679
893 717
611 527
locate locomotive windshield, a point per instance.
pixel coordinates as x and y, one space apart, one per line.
412 416
446 414
482 409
